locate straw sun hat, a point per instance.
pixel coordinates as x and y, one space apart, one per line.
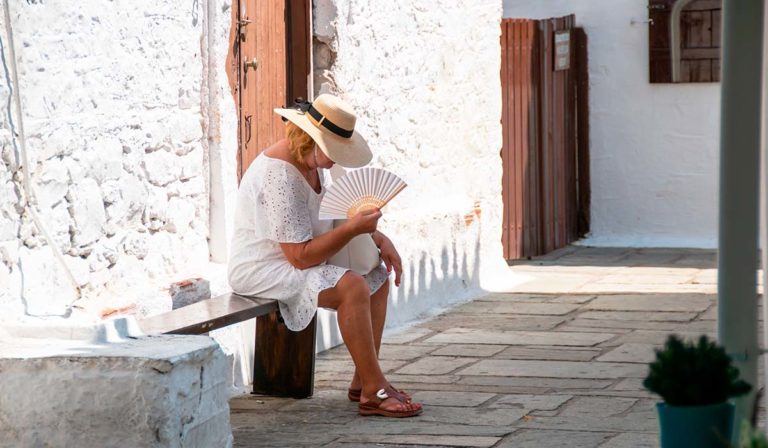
331 123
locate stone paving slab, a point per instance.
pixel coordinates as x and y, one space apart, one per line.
633 440
472 336
423 440
640 353
473 350
558 361
597 406
531 402
456 399
649 289
657 338
630 302
642 316
495 322
554 438
538 382
435 365
535 308
626 326
554 369
547 354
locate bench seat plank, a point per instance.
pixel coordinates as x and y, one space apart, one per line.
207 315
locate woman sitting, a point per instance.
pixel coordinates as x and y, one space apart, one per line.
280 246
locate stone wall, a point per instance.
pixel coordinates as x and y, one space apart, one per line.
131 134
424 79
115 108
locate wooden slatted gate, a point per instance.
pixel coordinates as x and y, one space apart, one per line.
545 144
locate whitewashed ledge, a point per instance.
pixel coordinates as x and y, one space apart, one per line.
106 385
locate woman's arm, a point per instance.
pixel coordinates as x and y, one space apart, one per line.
317 250
389 255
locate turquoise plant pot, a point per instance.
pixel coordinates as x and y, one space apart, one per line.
708 426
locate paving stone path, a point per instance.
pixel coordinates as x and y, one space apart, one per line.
556 362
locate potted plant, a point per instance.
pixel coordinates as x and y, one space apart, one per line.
695 380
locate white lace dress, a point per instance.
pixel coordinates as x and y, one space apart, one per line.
275 204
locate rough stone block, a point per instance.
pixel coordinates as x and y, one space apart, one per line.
165 391
87 211
179 215
187 292
47 290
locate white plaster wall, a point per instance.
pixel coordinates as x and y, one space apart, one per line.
654 147
119 136
132 136
423 77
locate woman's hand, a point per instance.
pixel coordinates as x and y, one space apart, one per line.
390 257
364 222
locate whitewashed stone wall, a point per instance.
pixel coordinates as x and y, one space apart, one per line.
164 391
115 109
424 79
132 140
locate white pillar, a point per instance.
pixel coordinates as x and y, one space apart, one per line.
742 51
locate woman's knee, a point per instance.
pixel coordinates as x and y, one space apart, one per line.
353 287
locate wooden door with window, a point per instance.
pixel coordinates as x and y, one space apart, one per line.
269 65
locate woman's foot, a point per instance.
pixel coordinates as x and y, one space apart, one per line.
386 405
355 390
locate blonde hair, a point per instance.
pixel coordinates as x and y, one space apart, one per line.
299 142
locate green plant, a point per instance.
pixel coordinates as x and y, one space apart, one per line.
688 374
751 438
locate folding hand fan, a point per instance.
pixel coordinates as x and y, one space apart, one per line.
359 190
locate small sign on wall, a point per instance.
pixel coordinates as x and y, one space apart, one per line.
562 50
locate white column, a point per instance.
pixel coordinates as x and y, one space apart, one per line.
742 51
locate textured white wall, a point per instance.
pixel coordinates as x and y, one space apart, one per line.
654 147
132 139
424 79
115 109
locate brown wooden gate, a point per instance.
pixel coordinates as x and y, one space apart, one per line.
545 144
269 66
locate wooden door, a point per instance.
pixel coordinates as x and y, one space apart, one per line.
545 184
270 64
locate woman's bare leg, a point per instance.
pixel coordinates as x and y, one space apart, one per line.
351 299
378 317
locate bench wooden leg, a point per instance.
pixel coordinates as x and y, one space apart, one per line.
283 361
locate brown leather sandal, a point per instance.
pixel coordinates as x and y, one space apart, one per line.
354 394
373 407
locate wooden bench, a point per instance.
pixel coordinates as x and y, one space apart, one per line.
283 360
